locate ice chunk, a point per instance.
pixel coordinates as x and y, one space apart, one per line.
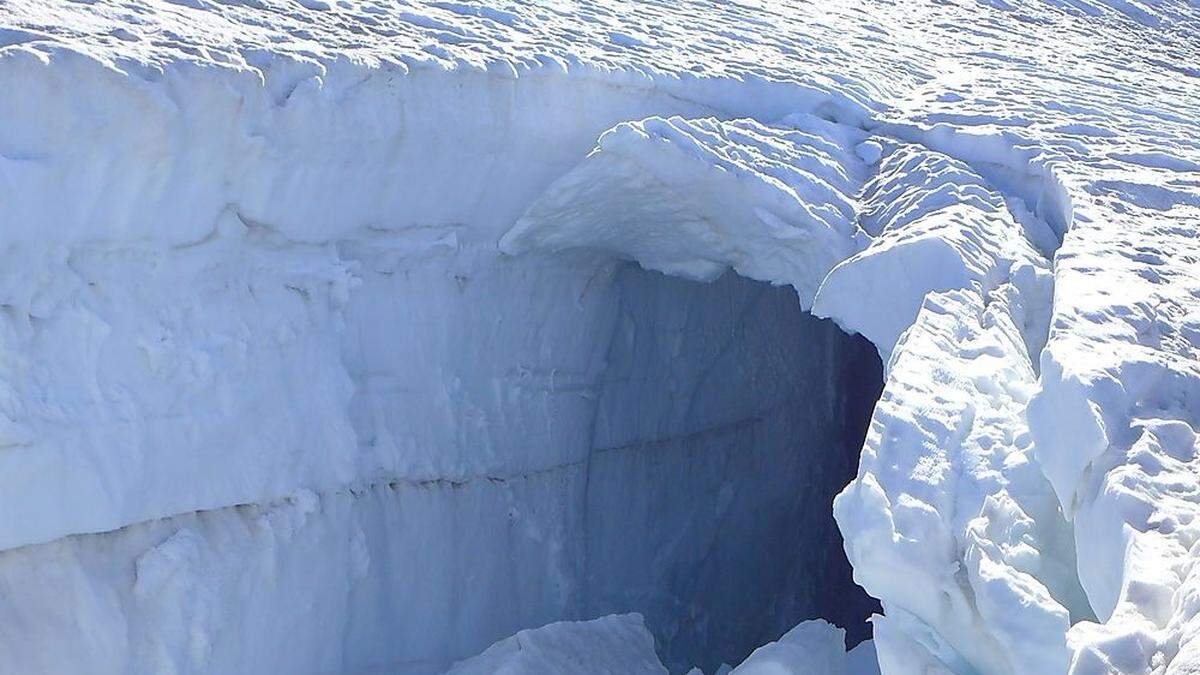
811 648
617 643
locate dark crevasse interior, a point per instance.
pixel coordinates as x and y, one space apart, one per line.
727 421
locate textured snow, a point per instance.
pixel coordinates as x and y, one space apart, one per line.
964 535
930 214
694 198
308 311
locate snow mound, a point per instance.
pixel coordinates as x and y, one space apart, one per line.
950 522
811 648
605 646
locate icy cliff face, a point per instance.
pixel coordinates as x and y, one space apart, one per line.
613 440
325 349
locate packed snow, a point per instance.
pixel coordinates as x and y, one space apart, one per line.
356 336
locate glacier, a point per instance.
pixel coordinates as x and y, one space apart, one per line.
415 336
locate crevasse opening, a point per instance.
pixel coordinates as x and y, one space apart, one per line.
935 265
727 419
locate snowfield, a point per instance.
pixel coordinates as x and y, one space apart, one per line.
355 336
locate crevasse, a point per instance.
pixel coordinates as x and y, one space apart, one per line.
352 337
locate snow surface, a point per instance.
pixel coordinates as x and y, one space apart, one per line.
309 310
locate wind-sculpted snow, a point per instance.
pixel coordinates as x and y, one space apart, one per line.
694 198
930 214
251 270
1116 418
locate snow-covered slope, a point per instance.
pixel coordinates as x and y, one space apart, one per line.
319 353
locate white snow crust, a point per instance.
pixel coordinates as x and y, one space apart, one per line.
322 352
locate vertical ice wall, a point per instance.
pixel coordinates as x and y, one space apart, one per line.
727 420
578 437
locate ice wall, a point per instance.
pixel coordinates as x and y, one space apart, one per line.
539 439
207 341
727 418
